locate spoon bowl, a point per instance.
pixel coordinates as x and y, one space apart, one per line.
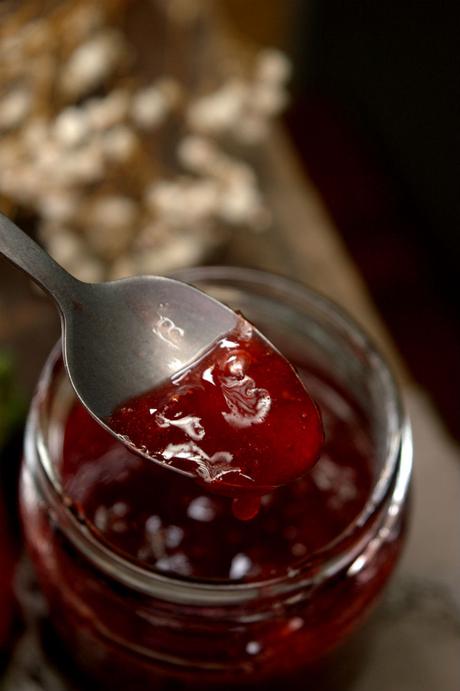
125 337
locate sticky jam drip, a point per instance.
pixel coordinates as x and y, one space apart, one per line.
239 419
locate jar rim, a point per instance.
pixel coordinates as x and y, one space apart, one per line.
389 491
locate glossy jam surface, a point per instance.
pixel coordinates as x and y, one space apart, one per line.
239 419
173 525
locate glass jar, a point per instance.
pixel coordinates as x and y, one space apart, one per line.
134 627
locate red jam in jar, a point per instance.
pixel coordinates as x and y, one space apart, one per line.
168 523
152 580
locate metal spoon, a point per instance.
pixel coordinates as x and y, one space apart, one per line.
122 338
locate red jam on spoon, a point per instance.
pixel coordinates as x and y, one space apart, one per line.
239 419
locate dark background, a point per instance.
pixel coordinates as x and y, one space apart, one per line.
375 116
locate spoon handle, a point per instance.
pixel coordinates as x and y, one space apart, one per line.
27 255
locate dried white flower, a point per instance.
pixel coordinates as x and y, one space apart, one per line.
221 110
65 246
196 153
112 211
242 108
149 108
49 160
84 166
253 129
119 143
202 156
153 233
164 197
54 163
59 206
273 66
241 204
70 250
108 243
184 202
21 184
180 250
35 133
110 224
201 199
268 99
71 126
171 90
111 110
92 62
14 106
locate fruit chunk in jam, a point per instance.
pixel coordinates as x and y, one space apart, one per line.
239 419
